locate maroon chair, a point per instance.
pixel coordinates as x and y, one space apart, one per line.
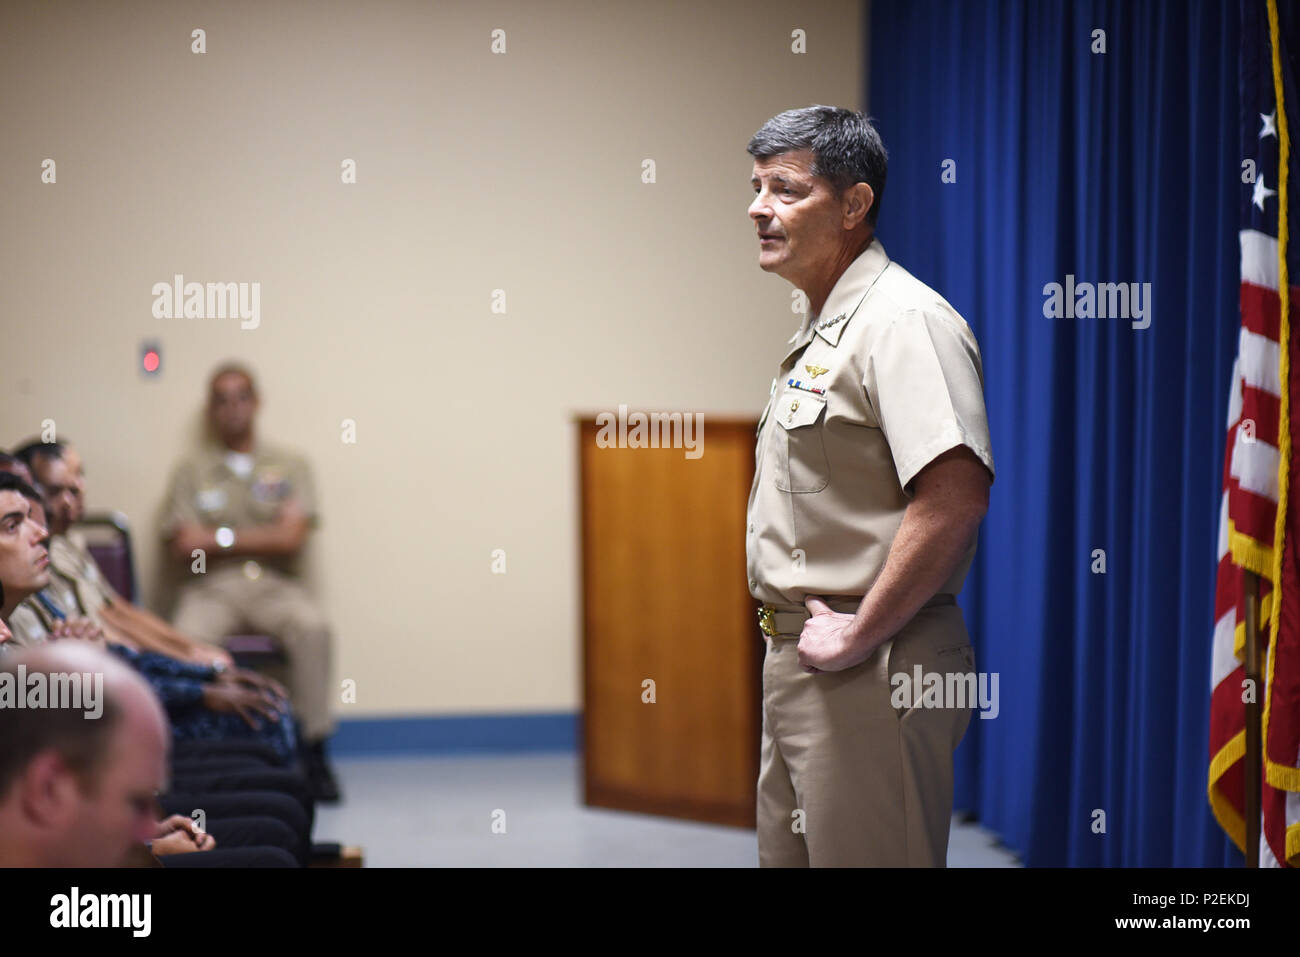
252 651
110 545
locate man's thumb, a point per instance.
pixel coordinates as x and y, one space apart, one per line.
816 606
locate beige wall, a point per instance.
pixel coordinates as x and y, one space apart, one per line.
476 172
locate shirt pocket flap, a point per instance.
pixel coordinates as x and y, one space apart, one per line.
796 409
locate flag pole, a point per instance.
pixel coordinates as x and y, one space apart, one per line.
1252 764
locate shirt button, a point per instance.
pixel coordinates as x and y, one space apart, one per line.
752 583
252 570
751 527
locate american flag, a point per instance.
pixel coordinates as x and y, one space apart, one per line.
1260 511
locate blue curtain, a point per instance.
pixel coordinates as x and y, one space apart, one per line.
1111 167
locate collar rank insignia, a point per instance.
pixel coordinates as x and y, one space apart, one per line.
827 323
815 371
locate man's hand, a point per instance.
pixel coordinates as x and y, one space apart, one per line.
189 536
950 496
203 653
179 834
82 629
231 697
247 678
828 641
290 511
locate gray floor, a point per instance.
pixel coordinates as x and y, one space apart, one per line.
440 812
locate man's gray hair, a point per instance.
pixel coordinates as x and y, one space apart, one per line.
846 148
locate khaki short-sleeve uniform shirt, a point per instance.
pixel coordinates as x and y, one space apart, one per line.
75 580
30 623
214 488
887 378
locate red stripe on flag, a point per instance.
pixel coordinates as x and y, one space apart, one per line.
1263 409
1261 310
1227 713
1252 514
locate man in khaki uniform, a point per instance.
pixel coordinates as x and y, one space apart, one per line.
249 507
29 621
873 466
76 584
24 560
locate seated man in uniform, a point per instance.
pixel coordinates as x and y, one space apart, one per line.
204 702
237 516
78 585
24 560
216 717
24 625
27 622
16 466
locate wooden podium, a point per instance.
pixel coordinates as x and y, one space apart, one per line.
672 653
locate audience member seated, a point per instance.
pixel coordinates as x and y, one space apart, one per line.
78 778
219 758
79 583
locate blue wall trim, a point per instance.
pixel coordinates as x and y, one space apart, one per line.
457 734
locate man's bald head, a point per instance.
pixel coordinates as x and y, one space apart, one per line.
77 790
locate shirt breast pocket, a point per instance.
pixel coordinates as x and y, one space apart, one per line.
801 442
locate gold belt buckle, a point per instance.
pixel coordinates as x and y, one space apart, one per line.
766 621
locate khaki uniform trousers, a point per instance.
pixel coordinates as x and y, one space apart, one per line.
874 783
226 601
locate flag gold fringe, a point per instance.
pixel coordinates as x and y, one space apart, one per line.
1280 775
1229 818
1250 553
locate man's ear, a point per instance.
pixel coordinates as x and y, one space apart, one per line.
858 200
47 790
